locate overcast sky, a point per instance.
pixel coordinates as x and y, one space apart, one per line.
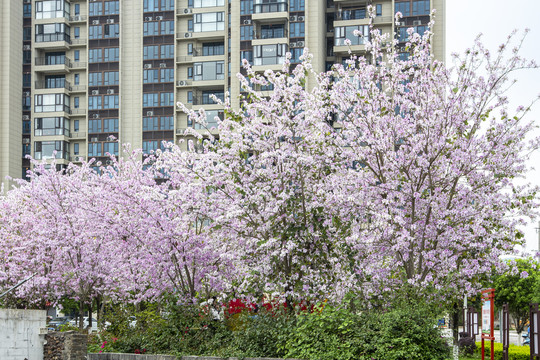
495 19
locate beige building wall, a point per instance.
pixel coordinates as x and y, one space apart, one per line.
11 24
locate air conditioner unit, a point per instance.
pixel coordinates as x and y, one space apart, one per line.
147 66
149 113
188 35
247 22
300 44
110 91
300 18
417 22
95 92
159 18
26 93
182 83
26 140
188 11
292 18
293 44
110 21
147 18
95 116
94 139
26 117
27 47
95 22
76 18
162 65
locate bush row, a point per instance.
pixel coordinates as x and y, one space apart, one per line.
514 352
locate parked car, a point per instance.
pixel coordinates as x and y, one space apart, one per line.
55 323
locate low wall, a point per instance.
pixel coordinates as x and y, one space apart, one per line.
19 334
69 345
113 356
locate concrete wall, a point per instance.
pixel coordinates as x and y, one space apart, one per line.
19 334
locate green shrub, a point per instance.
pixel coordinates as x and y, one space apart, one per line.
514 352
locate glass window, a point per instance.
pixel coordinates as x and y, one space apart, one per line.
77 55
150 28
167 27
167 75
49 9
190 97
213 21
77 9
76 125
343 33
95 8
111 148
76 149
211 49
27 10
166 99
150 99
110 101
51 126
27 33
166 123
94 149
297 29
190 25
150 123
297 5
208 3
111 78
112 7
246 32
52 32
95 55
51 149
210 70
403 7
265 6
151 52
76 32
420 7
246 7
167 51
76 102
110 125
76 79
269 54
95 103
111 54
94 126
94 79
378 10
51 102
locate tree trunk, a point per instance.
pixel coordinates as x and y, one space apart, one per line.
81 315
455 321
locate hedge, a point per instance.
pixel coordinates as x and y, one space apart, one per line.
514 352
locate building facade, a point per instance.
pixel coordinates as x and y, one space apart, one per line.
99 73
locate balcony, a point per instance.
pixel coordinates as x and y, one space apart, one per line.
78 135
270 36
78 112
78 88
78 65
78 42
53 84
52 41
77 19
52 65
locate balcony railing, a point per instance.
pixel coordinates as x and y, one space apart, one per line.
78 41
271 33
54 60
269 8
351 14
40 38
78 88
53 84
77 18
78 135
78 112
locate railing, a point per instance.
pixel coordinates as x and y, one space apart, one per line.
202 78
76 18
78 41
271 34
184 59
351 14
52 38
55 60
78 112
78 88
78 64
78 135
53 84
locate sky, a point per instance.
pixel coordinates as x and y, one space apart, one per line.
495 19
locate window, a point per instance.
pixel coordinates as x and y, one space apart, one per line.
76 79
27 57
77 55
150 76
112 7
190 25
95 8
27 33
110 125
207 97
150 146
420 7
111 148
246 32
95 32
94 126
272 31
52 32
190 72
26 127
111 54
51 126
403 7
27 79
378 10
150 100
110 101
51 149
248 55
111 78
150 28
76 149
111 30
166 123
94 79
94 149
49 9
76 32
95 55
211 119
297 5
55 81
167 51
55 58
295 54
343 33
151 5
208 3
265 6
167 27
167 5
167 75
210 70
190 48
297 29
151 52
76 125
166 99
76 102
150 123
26 103
208 22
27 10
269 54
51 102
190 97
246 7
94 103
77 9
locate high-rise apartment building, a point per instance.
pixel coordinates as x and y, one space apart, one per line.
93 74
